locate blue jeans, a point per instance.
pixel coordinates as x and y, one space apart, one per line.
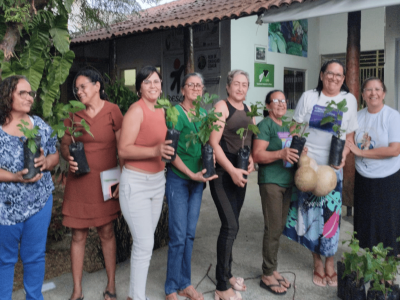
184 201
32 235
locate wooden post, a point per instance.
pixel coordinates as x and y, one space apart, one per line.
353 82
112 55
188 54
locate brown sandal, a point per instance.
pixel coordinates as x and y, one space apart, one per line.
322 279
191 293
330 281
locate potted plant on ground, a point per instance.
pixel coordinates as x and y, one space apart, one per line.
207 121
244 152
355 269
76 149
31 147
171 115
385 274
334 114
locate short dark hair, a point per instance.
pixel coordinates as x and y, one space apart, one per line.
94 77
320 85
7 88
372 79
143 74
268 100
187 76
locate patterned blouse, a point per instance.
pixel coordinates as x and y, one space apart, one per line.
19 201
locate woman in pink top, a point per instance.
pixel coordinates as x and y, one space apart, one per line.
142 186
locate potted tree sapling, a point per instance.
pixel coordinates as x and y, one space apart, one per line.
207 121
298 133
334 114
171 115
76 149
31 148
245 151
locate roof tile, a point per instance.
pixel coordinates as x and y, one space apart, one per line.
181 13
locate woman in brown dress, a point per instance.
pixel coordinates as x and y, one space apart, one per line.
83 205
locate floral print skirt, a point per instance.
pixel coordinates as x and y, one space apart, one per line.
314 222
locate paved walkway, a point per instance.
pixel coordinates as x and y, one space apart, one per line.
247 260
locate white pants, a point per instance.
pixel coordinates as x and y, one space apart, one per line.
141 198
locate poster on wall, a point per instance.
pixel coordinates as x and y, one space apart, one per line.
260 53
208 62
289 37
174 69
204 36
263 75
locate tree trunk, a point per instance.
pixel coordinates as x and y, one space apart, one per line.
188 53
353 82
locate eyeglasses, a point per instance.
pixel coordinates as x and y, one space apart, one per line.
283 101
193 86
82 87
377 90
24 94
149 82
330 75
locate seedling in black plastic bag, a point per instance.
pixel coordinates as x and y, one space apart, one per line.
31 147
340 107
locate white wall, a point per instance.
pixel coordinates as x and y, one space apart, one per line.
245 34
333 31
392 34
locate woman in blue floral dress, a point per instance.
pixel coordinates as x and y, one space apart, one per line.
25 205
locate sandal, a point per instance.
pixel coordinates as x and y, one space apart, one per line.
322 284
239 284
269 288
80 298
110 296
191 293
236 297
330 280
283 279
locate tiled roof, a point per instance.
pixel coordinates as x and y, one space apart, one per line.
182 13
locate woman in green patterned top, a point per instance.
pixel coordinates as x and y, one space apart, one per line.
275 182
184 191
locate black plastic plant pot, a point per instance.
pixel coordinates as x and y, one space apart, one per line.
243 159
298 144
348 282
29 159
208 160
335 153
341 280
358 292
172 134
77 151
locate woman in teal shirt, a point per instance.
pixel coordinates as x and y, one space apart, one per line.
275 183
184 191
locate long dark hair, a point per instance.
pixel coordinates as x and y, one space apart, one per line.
94 77
268 101
7 88
143 74
320 85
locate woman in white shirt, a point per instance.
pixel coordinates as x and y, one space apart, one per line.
377 182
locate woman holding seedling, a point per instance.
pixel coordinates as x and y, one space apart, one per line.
184 191
376 187
85 207
229 189
142 185
275 183
25 204
315 224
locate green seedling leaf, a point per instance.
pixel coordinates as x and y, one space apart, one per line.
254 128
328 119
240 132
77 134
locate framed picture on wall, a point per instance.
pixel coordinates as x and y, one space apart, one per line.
260 53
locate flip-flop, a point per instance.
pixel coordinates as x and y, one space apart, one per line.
330 281
268 288
283 279
322 278
111 296
80 298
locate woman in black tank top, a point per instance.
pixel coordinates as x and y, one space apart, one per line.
229 189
